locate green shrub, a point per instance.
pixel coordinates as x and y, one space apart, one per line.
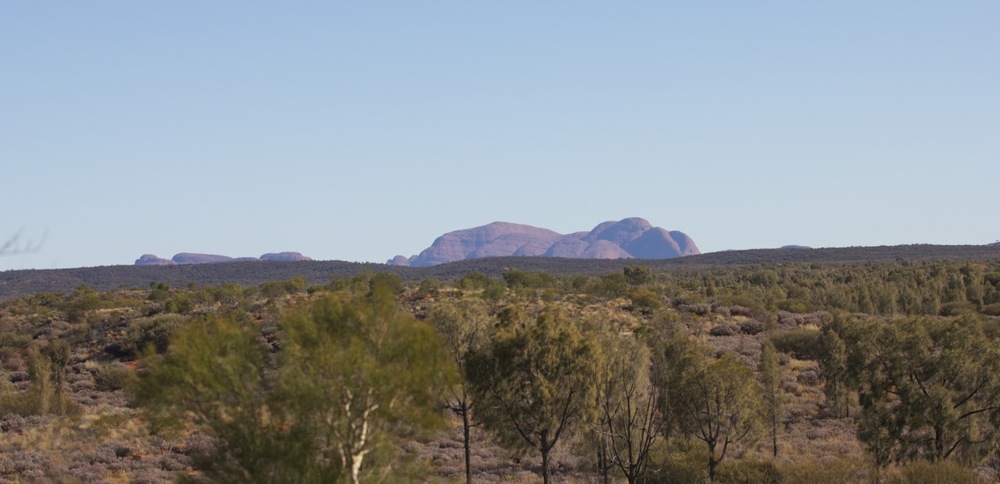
516 278
114 376
473 281
794 306
833 471
155 330
752 327
645 301
803 343
956 308
992 309
725 329
748 472
925 472
612 286
180 304
677 462
14 340
429 287
43 397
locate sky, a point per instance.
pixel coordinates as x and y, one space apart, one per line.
361 130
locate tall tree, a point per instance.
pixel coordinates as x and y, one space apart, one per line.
349 367
215 378
930 388
834 367
718 403
629 421
771 375
536 383
353 366
464 328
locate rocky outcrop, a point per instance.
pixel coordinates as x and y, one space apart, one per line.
194 258
284 256
152 260
493 240
624 239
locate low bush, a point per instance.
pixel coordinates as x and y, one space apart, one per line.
677 462
155 330
725 329
748 472
802 343
645 301
738 310
992 309
827 471
924 472
956 308
111 377
752 327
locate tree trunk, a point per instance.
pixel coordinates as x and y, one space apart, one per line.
545 464
465 435
774 433
712 463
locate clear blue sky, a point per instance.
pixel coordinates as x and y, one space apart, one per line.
364 131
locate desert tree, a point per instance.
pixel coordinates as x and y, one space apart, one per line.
637 275
677 355
930 388
629 422
355 366
536 382
771 375
834 367
349 367
716 401
216 379
464 327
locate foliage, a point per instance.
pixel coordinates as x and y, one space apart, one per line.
464 328
352 367
348 368
114 376
518 279
748 472
925 472
536 382
771 375
215 378
628 425
802 343
858 312
155 331
834 368
676 461
827 471
637 275
718 403
928 388
46 395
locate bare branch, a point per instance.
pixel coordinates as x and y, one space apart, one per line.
15 245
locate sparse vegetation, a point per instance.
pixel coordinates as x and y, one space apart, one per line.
875 370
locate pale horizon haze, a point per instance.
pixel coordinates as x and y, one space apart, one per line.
359 131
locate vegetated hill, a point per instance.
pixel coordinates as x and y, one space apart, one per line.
631 238
23 282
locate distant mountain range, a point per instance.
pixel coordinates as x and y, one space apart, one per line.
631 238
191 258
32 281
